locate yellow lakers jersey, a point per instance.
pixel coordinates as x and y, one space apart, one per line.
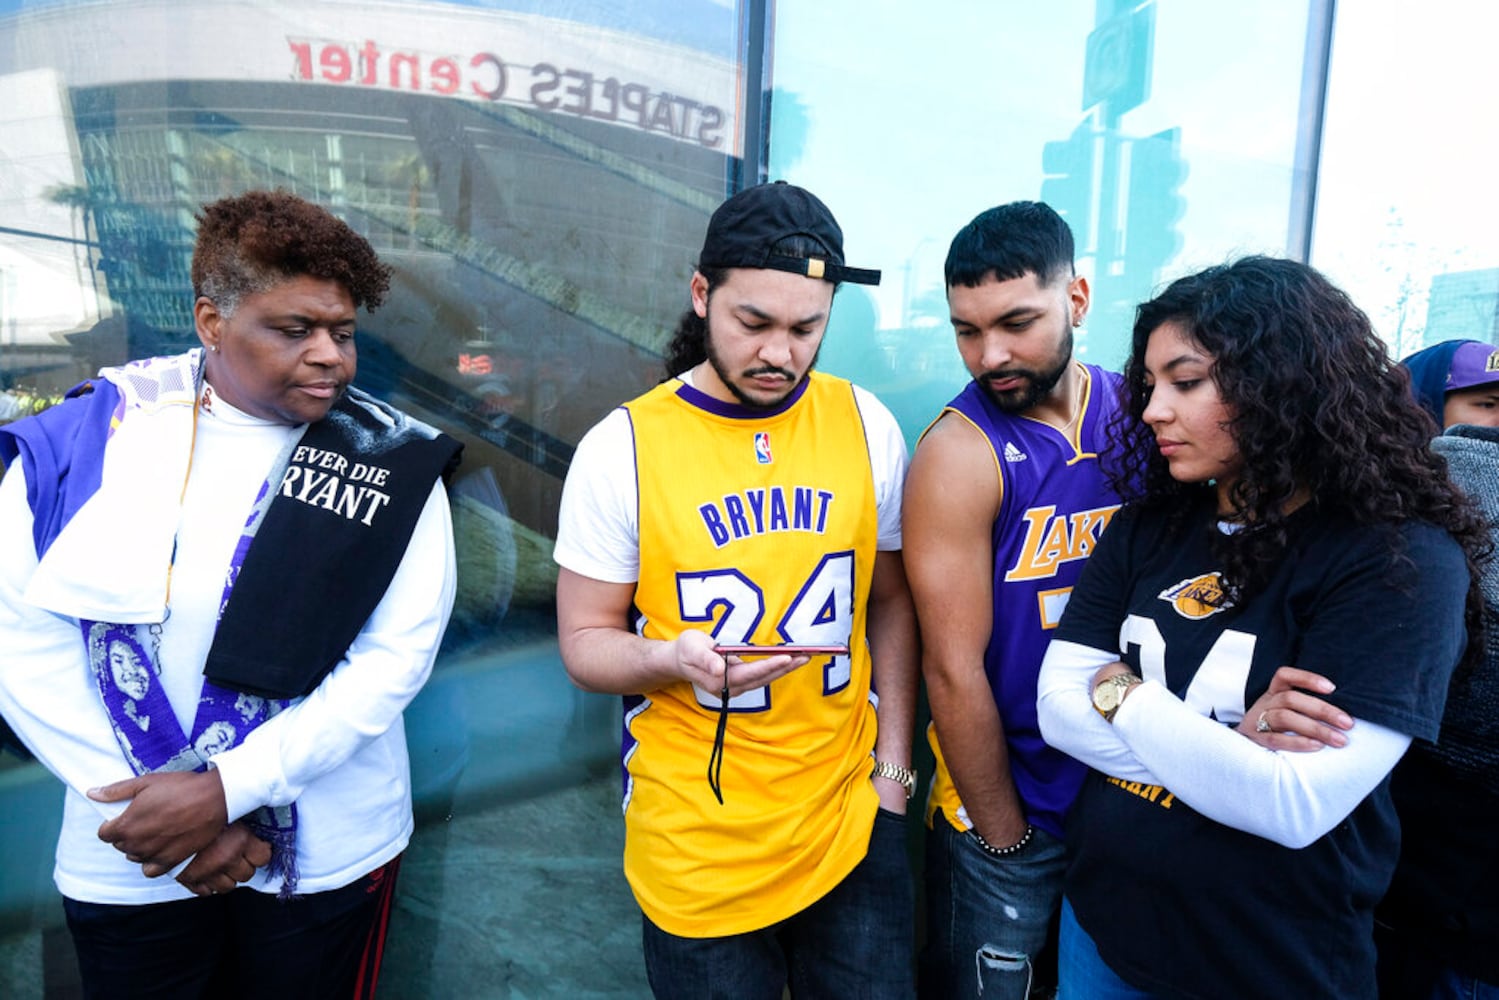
755 526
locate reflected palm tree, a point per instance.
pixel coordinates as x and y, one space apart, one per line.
76 198
141 253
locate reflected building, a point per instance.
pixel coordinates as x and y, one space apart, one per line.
539 186
1464 305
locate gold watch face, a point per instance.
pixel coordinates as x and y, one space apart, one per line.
1106 696
1109 693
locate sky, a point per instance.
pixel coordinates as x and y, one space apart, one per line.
1408 185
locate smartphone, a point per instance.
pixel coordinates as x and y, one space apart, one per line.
792 649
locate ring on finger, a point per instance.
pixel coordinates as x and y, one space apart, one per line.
1260 725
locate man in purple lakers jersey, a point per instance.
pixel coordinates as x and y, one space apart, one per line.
1004 502
750 500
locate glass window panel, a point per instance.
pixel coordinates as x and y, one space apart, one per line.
1168 148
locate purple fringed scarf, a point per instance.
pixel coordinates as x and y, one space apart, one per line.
126 666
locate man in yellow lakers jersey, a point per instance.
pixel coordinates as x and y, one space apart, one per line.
1004 503
751 500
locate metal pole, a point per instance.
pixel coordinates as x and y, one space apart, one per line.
752 167
1304 173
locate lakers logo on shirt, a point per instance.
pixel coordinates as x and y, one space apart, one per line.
1198 597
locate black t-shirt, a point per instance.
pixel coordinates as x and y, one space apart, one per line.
1186 906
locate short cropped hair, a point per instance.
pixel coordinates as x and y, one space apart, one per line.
1011 241
251 242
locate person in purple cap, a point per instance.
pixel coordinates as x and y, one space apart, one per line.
1438 927
1457 382
750 500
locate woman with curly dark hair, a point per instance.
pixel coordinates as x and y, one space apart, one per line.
1263 629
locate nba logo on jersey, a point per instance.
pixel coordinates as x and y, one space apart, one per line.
762 447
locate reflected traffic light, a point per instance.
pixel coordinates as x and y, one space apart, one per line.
1068 184
1156 205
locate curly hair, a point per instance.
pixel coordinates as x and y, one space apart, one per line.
1318 410
253 241
688 347
689 341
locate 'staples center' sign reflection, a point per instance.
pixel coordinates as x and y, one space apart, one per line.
485 76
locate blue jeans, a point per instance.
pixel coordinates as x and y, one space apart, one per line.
987 917
853 943
1453 985
1082 973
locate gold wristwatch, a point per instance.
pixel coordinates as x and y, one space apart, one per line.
904 775
1108 694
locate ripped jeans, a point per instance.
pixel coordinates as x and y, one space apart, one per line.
987 917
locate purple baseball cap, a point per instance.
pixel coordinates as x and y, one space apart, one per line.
1473 363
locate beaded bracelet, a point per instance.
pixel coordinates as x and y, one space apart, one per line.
1000 852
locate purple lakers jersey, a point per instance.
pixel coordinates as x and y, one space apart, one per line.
1054 502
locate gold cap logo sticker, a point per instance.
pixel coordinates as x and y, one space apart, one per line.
1198 597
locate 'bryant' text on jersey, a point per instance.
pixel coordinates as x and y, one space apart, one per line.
1052 539
765 511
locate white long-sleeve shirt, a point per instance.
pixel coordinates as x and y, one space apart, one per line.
339 753
1157 739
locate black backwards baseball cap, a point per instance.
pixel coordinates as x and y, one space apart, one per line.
745 228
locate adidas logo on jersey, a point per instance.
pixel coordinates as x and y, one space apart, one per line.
1013 454
1200 597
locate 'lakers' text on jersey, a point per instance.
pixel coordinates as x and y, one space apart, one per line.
761 527
1055 502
